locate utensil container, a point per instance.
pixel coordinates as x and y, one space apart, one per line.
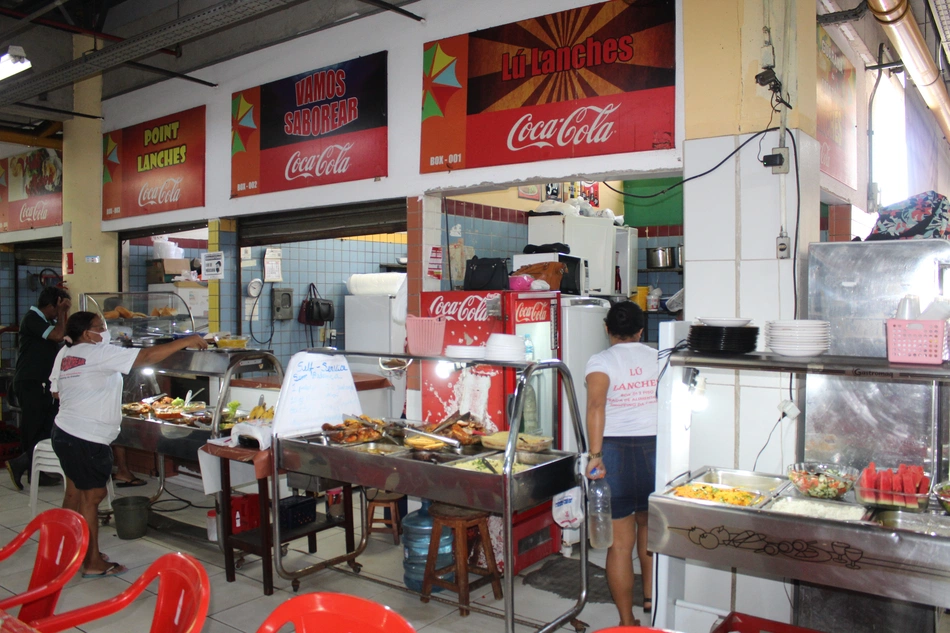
131 516
424 335
917 342
661 257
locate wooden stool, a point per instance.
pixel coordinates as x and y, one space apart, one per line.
384 500
459 520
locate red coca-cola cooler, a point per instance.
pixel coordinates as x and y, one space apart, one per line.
485 391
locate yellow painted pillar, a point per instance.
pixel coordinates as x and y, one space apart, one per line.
95 254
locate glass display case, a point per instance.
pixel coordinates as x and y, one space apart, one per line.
141 319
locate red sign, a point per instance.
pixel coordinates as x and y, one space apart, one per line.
31 190
532 311
460 306
316 128
589 81
155 166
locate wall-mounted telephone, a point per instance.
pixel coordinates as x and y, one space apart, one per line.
283 302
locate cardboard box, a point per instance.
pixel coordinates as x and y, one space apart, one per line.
159 271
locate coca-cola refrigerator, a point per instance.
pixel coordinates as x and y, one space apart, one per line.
483 390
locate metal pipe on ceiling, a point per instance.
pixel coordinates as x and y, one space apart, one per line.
898 22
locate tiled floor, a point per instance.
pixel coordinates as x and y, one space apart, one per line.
241 605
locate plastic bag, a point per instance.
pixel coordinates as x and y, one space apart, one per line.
675 303
566 508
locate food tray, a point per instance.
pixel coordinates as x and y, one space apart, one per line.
871 498
933 524
745 480
831 510
762 497
526 443
377 448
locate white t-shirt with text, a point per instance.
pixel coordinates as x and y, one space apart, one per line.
88 379
633 371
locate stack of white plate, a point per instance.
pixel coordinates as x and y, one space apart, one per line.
505 347
469 352
798 338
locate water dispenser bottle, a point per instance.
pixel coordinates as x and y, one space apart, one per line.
416 530
600 526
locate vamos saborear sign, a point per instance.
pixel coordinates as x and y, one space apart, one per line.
315 128
155 166
594 80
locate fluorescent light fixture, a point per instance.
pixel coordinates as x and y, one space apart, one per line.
13 61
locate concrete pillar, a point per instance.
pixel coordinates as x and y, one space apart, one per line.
95 254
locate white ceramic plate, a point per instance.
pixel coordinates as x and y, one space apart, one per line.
800 323
798 352
724 322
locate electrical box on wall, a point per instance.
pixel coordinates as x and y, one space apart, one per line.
283 302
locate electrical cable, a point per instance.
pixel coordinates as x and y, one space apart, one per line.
665 355
798 221
769 439
188 504
705 173
250 325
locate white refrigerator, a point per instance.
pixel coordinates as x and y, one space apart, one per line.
582 336
370 326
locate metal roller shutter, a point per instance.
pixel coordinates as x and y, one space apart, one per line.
351 220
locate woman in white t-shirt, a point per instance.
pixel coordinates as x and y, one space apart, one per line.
621 432
87 379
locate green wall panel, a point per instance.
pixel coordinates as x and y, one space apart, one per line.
662 210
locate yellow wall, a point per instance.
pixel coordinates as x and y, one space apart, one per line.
82 191
722 46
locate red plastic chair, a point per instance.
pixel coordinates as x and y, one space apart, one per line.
335 613
62 545
182 605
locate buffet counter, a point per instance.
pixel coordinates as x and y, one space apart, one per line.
900 555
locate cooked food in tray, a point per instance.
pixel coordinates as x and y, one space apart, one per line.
818 509
706 492
423 443
351 431
525 442
461 427
120 312
489 465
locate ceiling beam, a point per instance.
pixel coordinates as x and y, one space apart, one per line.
12 136
189 27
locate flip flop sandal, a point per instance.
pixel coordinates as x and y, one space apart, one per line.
115 569
132 483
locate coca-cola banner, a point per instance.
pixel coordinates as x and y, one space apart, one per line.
316 128
31 190
155 166
594 80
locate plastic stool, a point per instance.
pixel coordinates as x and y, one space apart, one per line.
46 461
384 500
459 520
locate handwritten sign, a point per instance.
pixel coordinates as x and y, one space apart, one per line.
317 389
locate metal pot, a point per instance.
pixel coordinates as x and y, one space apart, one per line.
678 256
660 257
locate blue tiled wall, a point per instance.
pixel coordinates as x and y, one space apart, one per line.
328 264
228 318
489 237
669 282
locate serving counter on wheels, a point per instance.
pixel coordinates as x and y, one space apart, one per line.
879 543
520 479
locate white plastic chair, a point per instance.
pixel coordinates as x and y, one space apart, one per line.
46 461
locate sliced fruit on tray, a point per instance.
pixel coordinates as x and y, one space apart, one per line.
904 487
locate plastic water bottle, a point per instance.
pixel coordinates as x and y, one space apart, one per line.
528 347
530 411
600 527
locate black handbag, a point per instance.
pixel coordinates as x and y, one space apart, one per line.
315 310
486 273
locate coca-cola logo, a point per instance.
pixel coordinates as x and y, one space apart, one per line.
471 308
34 212
166 193
332 160
531 312
585 125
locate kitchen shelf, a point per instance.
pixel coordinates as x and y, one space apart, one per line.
394 268
659 270
846 366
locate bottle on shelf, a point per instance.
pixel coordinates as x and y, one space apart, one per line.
528 347
600 527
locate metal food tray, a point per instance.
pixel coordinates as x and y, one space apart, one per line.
798 496
743 479
932 524
412 473
159 436
763 496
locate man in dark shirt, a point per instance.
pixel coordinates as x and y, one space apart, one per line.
41 334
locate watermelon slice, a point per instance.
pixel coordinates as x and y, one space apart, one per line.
918 473
923 488
866 485
885 488
910 489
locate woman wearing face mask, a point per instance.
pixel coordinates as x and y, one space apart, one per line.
87 379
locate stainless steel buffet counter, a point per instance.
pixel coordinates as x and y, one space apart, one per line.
892 554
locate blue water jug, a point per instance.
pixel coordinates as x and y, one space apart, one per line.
416 533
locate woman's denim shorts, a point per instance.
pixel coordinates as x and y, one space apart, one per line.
631 473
